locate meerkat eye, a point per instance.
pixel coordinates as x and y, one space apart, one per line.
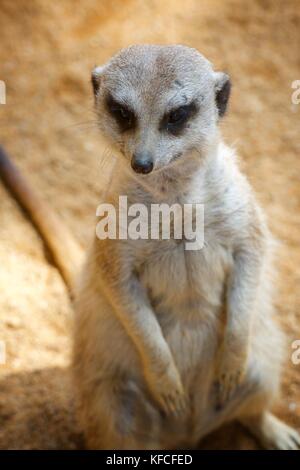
125 114
178 115
175 121
122 114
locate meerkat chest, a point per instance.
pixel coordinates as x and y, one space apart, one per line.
180 280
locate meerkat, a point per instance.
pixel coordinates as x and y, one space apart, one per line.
170 344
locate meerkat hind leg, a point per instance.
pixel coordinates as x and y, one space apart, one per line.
271 432
120 416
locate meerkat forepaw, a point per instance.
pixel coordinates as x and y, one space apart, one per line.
229 374
168 392
174 403
225 385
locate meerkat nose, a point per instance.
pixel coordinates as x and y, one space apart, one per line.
142 163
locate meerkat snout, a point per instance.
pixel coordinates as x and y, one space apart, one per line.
142 163
157 104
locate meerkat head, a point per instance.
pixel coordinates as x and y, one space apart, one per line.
156 104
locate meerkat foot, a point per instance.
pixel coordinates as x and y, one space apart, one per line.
273 433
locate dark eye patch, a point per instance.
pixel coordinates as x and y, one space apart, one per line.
123 115
175 120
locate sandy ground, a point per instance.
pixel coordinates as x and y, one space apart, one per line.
47 50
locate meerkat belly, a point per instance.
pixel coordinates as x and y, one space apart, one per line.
187 289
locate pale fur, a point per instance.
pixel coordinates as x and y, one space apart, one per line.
169 344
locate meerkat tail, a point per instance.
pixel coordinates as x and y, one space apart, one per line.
66 252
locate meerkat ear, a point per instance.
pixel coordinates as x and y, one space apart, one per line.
96 78
222 91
